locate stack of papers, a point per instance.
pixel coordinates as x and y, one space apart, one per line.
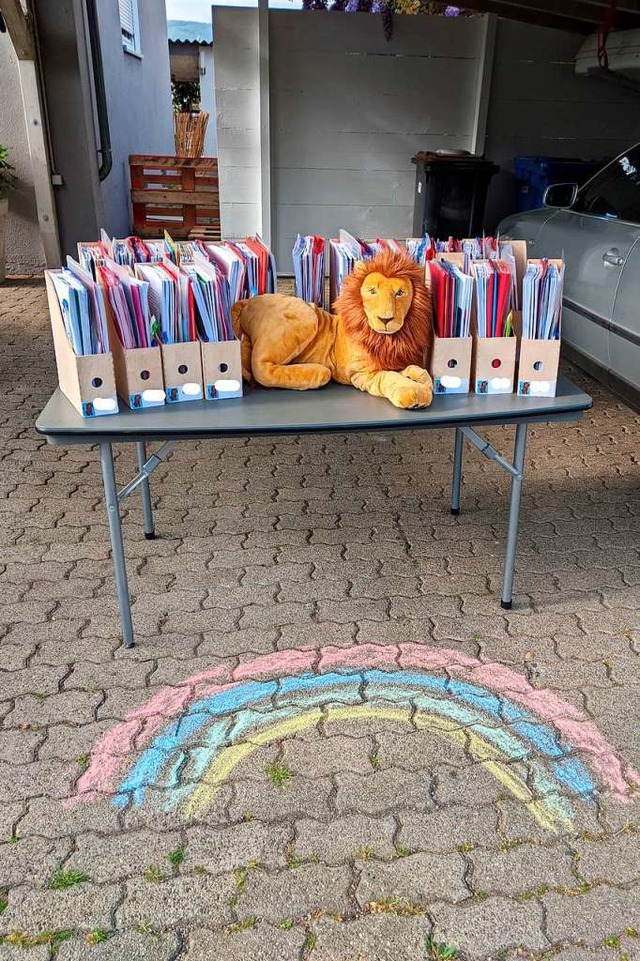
249 266
542 300
493 297
171 302
451 296
343 254
421 249
128 299
211 296
308 268
232 266
83 309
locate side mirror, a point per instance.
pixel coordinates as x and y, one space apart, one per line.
560 195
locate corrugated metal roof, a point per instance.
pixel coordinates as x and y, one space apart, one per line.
189 31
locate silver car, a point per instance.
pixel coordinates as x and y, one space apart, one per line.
596 230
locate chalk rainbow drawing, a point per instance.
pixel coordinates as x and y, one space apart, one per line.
188 739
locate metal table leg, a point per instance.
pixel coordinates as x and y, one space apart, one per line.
149 531
514 514
457 473
117 547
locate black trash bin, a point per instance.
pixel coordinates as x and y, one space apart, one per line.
451 190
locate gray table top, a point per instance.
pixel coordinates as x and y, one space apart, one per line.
332 408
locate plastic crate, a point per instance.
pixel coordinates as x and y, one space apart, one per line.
535 174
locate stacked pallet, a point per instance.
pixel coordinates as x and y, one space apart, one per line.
177 194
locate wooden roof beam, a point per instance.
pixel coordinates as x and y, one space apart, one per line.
578 16
18 25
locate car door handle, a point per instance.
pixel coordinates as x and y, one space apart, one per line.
613 258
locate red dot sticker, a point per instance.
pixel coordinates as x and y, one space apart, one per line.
496 362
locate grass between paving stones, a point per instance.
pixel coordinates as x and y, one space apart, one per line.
240 875
439 950
4 899
278 773
176 857
245 925
309 942
154 875
83 761
97 936
374 761
401 907
365 854
20 939
66 879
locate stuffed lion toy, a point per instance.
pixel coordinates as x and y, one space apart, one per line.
377 339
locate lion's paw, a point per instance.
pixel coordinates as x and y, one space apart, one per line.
418 374
412 395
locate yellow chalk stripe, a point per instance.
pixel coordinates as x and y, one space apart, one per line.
488 755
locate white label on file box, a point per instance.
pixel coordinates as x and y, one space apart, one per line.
105 405
540 388
500 383
451 383
226 386
191 390
153 396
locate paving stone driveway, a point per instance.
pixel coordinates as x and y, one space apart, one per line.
329 743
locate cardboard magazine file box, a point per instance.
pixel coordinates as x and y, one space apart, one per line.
182 368
493 364
138 371
452 257
88 382
221 369
451 364
538 362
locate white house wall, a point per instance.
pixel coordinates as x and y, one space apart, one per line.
138 91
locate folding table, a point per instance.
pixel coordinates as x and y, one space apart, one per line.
333 408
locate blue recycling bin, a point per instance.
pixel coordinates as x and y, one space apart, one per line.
534 174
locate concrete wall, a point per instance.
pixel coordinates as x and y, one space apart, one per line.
24 251
349 110
139 102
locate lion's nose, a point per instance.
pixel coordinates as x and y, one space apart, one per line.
385 320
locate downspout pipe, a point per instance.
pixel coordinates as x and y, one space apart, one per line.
106 162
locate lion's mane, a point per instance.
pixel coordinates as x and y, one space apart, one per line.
412 342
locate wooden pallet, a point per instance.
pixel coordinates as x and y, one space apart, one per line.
178 194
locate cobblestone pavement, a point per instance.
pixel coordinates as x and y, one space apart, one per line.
329 742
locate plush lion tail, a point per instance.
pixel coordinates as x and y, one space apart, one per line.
236 314
245 342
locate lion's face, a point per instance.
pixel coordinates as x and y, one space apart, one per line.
386 301
387 295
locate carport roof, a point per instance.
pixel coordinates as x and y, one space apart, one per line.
583 16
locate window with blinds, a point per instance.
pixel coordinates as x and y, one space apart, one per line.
130 25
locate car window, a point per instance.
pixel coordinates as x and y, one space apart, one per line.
615 191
